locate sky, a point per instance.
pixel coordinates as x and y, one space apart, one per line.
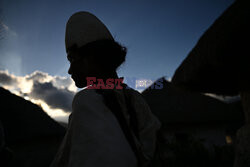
158 34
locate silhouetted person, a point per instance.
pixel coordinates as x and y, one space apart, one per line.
109 122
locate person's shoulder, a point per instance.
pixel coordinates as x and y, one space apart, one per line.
134 93
86 96
85 93
136 97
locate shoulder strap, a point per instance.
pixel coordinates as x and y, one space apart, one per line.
113 105
132 114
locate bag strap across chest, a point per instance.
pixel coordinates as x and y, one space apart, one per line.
131 131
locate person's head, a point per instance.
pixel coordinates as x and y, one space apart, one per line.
91 49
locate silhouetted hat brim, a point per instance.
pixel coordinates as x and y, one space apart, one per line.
220 61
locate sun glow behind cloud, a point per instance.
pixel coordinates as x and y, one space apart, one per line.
54 113
53 94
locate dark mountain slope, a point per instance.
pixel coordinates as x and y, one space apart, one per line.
29 132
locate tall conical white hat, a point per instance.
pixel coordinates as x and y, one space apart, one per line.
83 28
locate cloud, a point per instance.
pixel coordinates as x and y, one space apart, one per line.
57 81
7 79
54 97
6 31
38 76
5 27
53 93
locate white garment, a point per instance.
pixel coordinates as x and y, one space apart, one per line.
94 137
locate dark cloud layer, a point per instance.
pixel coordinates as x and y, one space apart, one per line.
54 97
7 79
